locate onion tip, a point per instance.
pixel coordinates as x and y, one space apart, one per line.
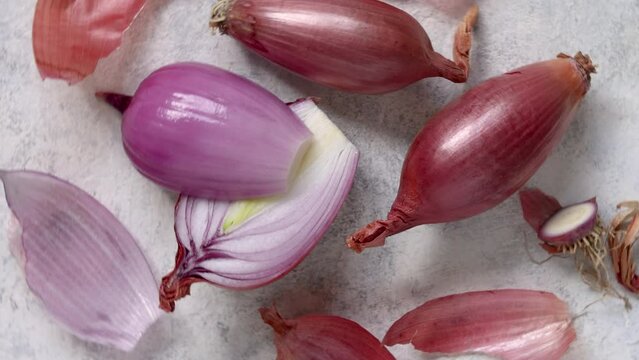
373 235
273 318
174 288
118 101
218 15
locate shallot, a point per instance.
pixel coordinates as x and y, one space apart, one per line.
322 337
203 131
69 37
80 261
363 46
484 146
507 324
251 243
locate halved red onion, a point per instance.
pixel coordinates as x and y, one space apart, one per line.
248 244
322 337
203 131
508 324
80 261
70 37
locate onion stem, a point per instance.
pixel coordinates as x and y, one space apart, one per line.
118 101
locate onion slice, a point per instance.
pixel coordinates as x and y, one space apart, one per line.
80 261
508 324
69 37
622 235
322 337
248 244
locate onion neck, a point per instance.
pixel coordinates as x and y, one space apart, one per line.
118 101
273 318
375 233
219 15
177 284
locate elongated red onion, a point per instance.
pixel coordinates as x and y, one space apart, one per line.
69 37
80 261
364 46
322 337
484 146
507 324
622 236
248 244
203 131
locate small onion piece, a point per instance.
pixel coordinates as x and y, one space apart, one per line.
249 244
203 131
80 261
322 337
483 147
363 46
570 223
508 324
70 37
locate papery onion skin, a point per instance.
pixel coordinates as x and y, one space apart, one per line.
249 244
484 146
362 46
70 37
322 337
80 261
622 236
203 131
508 324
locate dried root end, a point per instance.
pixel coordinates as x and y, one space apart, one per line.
590 254
219 15
622 235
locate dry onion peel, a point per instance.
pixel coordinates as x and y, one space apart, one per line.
322 337
204 131
248 244
508 324
328 41
80 261
483 147
622 236
70 37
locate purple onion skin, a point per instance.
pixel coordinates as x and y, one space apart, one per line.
483 147
202 131
362 46
574 235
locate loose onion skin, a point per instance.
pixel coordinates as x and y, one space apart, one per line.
483 147
362 46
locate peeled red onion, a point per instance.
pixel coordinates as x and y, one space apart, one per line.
484 146
364 46
203 131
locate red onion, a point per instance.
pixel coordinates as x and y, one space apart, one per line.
80 261
507 324
622 236
483 147
322 337
251 243
203 131
69 37
363 46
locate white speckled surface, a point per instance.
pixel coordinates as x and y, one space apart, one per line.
52 127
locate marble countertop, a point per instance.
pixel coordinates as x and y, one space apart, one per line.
64 130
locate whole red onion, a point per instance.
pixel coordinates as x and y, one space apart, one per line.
363 46
483 147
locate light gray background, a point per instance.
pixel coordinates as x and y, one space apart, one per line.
52 127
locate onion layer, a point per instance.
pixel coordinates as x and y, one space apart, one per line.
364 46
248 244
322 337
69 37
80 261
483 147
508 324
203 131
